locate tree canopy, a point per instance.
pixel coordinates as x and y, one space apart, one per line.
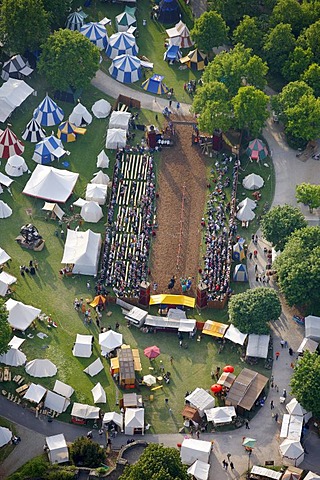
309 195
249 33
312 77
87 453
211 102
57 10
279 43
5 329
291 12
68 59
209 31
250 109
305 381
309 39
157 463
280 222
296 64
298 269
252 310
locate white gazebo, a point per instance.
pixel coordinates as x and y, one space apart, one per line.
35 393
96 193
14 357
57 449
109 341
83 346
63 389
20 315
292 452
116 418
82 250
56 402
201 400
134 421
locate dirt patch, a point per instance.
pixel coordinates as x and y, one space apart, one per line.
180 206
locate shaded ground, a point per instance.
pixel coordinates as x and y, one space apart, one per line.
182 192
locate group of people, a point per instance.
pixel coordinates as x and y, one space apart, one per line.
220 228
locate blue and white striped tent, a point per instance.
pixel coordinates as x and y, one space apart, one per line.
96 33
121 43
75 21
48 113
47 150
126 69
240 273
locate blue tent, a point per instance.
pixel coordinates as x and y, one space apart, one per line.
169 12
126 69
238 252
121 43
240 273
96 33
172 54
47 150
75 21
48 113
154 85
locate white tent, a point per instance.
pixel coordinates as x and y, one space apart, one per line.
116 138
116 418
306 344
294 408
220 415
253 181
149 380
54 209
82 249
265 473
16 166
63 389
258 346
103 160
96 193
14 357
100 178
5 281
56 402
201 400
235 336
101 108
99 395
79 203
5 436
199 470
120 120
58 449
192 450
41 368
312 476
80 116
291 427
5 210
4 257
109 341
35 393
292 452
91 212
94 368
87 412
21 315
134 421
245 214
12 93
51 184
312 327
248 202
83 346
4 179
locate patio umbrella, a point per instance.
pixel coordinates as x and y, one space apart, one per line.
152 352
249 442
228 369
257 150
149 380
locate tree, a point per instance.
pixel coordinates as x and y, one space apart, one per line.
57 10
24 25
250 109
303 119
249 33
5 329
280 222
298 61
305 381
291 12
312 77
252 310
279 43
291 94
233 10
157 463
87 453
298 269
309 195
209 31
211 102
309 39
236 68
68 59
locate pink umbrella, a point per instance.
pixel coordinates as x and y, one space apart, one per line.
152 352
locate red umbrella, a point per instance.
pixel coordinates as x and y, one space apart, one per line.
228 369
216 388
152 352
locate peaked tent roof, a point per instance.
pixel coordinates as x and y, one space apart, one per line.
99 395
248 202
82 410
116 138
4 257
240 273
126 69
91 212
63 389
51 184
257 150
10 144
196 60
125 20
16 166
48 113
96 193
16 67
33 132
41 368
5 436
121 43
155 85
96 33
14 357
94 368
295 408
199 470
80 116
101 108
103 160
47 150
74 21
169 11
180 35
35 393
100 178
58 448
134 417
110 340
245 214
82 249
21 315
12 93
115 417
5 210
56 402
253 181
67 132
82 346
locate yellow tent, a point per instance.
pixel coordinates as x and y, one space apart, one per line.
215 329
166 299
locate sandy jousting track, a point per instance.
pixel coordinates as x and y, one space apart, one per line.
180 206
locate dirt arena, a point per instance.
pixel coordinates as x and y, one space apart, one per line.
180 207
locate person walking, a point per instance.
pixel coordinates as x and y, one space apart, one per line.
276 417
228 456
271 405
282 343
277 355
284 393
247 425
231 466
171 360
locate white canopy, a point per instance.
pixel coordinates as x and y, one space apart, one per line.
54 208
291 427
91 212
16 166
110 340
99 395
133 420
220 415
96 193
192 450
235 336
63 389
12 93
100 178
201 400
199 470
294 408
120 120
266 473
82 249
258 346
103 160
35 393
5 436
114 417
14 357
51 184
5 210
58 449
41 368
101 108
79 203
312 476
253 181
312 327
21 315
149 380
245 214
83 346
56 402
248 202
94 368
306 344
7 279
116 138
88 412
292 452
80 116
4 257
4 179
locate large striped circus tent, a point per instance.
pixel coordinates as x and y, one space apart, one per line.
48 113
155 85
96 33
121 43
75 21
126 69
10 144
33 132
